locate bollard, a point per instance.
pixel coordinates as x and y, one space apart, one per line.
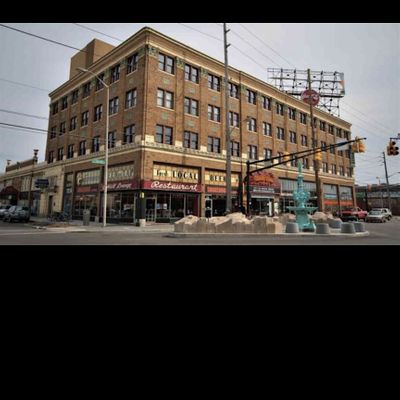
347 227
292 227
323 229
359 226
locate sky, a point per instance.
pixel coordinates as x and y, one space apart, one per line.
367 53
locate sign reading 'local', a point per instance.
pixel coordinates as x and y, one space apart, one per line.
175 174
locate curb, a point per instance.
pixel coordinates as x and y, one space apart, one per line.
182 235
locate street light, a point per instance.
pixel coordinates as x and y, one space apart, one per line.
106 145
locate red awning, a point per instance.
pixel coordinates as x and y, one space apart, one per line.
9 191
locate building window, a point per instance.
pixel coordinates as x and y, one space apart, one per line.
96 144
330 129
214 82
349 171
267 129
99 83
82 148
268 153
86 90
98 111
334 170
191 73
53 132
338 132
306 162
314 142
322 125
166 64
54 108
292 113
304 141
233 90
115 71
113 106
280 155
84 118
111 139
251 97
292 137
332 150
341 170
279 108
303 118
293 162
132 63
323 145
214 113
74 96
280 133
233 119
72 123
130 98
325 167
60 154
266 103
191 106
252 152
165 99
340 153
346 135
234 149
164 134
64 103
347 153
62 128
129 133
214 145
191 140
252 124
70 152
51 156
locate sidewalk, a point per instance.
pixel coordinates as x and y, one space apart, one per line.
77 226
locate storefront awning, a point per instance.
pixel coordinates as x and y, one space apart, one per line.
9 191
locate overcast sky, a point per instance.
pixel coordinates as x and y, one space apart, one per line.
367 54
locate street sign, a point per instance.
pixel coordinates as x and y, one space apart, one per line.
310 97
102 162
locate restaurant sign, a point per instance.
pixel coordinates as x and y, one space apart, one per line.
171 173
264 182
172 186
217 178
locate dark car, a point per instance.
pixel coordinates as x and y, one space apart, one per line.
3 210
17 213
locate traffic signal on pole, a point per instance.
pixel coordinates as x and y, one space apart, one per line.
356 145
318 156
361 147
286 157
392 149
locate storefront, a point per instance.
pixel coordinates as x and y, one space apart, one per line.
68 193
9 195
86 195
215 187
288 187
173 193
265 189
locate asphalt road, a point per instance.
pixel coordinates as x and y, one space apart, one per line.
22 234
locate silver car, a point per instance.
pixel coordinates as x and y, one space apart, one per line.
385 211
3 210
376 215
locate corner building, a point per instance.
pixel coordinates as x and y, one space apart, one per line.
167 134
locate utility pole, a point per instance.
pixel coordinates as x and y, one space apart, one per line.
387 181
227 130
314 139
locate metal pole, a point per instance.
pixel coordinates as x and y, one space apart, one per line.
227 131
314 139
387 181
106 162
366 199
380 189
248 186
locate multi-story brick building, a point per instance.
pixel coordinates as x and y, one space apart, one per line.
167 133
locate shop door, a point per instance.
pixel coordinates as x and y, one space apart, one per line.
151 208
208 207
50 206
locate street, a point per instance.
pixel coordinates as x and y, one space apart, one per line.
25 234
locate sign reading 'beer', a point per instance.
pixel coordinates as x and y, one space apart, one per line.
175 174
217 178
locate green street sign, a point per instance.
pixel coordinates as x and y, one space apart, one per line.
102 162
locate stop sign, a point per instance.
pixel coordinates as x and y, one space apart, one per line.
310 97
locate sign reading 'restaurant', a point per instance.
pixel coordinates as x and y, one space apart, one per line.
173 173
172 186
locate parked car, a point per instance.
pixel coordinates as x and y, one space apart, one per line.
385 211
17 213
376 215
3 210
353 214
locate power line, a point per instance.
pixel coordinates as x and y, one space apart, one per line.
25 115
101 33
24 84
206 34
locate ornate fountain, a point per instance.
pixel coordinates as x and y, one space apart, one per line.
302 211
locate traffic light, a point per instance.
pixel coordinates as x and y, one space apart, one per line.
361 147
318 156
286 156
355 147
392 149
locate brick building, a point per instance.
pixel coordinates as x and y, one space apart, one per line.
167 134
